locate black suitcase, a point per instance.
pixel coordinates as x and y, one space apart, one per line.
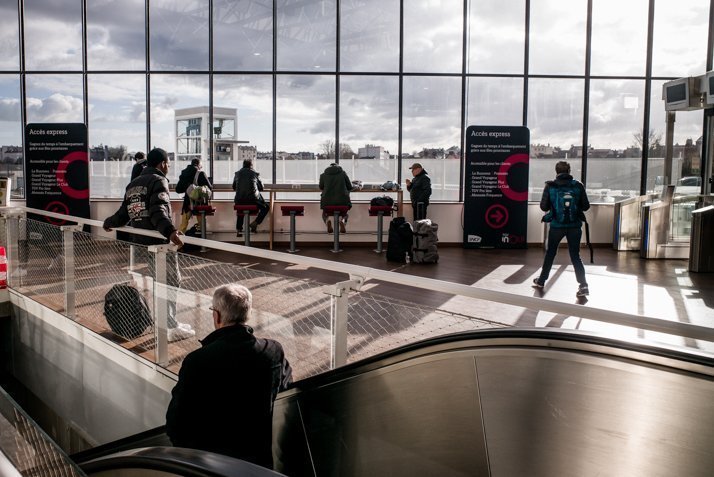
126 311
401 236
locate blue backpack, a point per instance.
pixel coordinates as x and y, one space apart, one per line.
565 204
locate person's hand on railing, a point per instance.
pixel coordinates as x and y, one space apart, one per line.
175 239
107 229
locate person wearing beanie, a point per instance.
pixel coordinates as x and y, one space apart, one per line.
147 206
140 159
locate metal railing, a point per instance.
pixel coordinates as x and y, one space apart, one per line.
321 325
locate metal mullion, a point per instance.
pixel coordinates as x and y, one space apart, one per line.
401 91
526 60
462 140
586 94
275 90
337 81
147 72
211 146
85 95
707 117
648 94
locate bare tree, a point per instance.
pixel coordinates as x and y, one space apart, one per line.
327 148
654 140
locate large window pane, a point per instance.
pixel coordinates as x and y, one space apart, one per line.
243 34
179 34
433 36
619 37
176 98
53 35
369 125
116 35
9 44
306 127
494 30
307 33
679 47
686 154
494 102
369 36
555 120
54 98
117 130
432 132
614 139
557 37
250 100
11 164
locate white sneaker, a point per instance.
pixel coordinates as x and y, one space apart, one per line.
184 326
178 334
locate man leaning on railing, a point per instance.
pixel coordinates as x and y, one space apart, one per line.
147 206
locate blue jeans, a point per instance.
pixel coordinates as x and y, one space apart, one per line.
573 235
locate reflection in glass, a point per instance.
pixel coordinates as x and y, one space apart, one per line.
53 35
686 160
117 129
433 36
555 120
369 36
179 34
615 139
115 35
305 127
251 97
243 34
11 164
307 33
557 37
619 37
177 98
431 132
369 125
496 36
54 98
9 44
679 47
494 102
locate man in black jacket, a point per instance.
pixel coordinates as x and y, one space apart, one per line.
248 187
335 186
223 400
419 191
192 175
147 206
138 166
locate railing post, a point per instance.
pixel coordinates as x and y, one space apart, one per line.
68 251
12 236
339 306
157 254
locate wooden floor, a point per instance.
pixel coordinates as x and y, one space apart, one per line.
620 281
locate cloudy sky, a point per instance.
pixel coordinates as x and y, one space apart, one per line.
368 102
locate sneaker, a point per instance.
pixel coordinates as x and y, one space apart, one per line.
583 291
178 334
329 227
343 230
537 284
253 227
184 326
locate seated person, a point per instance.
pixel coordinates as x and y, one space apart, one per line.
192 175
335 187
247 185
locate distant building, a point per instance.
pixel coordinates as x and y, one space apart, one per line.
540 150
11 155
192 133
370 151
247 153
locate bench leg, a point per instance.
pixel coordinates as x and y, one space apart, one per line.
203 229
336 233
246 227
380 214
292 248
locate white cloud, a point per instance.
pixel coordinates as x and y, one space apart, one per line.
56 108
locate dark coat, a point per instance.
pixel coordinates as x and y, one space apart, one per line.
248 186
223 401
138 167
546 204
420 188
335 187
186 179
146 206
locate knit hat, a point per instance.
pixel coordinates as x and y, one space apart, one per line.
157 156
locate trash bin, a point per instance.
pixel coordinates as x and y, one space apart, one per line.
701 248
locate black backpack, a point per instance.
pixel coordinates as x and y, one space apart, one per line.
126 311
381 201
401 236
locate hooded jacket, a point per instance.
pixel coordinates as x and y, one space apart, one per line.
247 185
186 179
335 186
146 206
546 203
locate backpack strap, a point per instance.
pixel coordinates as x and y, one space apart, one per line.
195 178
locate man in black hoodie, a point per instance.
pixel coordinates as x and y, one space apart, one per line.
335 186
248 187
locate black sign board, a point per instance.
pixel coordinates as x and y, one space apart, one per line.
496 187
57 169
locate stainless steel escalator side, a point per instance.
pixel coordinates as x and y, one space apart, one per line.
173 461
503 403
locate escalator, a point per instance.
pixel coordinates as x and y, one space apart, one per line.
503 402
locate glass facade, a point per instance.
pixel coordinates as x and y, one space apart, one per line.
373 84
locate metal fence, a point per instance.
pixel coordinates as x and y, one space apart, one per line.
320 325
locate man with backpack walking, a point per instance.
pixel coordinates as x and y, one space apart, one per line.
565 201
190 177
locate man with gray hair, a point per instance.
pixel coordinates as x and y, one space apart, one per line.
223 400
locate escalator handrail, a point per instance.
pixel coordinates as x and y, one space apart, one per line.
126 443
187 462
